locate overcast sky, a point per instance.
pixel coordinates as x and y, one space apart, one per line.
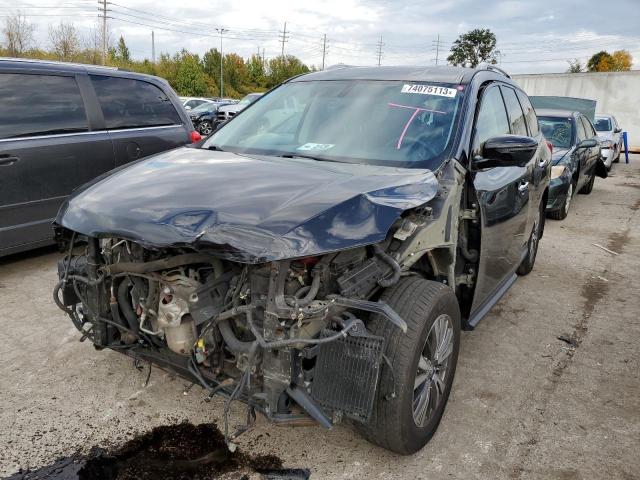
533 35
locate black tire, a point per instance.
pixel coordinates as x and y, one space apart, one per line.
420 303
205 128
617 159
588 187
562 212
532 245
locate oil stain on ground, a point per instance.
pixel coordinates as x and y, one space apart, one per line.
174 452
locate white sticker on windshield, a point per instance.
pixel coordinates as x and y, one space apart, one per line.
429 90
316 146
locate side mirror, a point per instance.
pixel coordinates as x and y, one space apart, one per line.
507 151
617 130
588 143
187 107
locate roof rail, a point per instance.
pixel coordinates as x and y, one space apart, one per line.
493 68
53 62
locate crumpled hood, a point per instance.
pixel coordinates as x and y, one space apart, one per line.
247 208
558 154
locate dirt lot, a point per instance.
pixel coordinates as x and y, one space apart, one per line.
524 405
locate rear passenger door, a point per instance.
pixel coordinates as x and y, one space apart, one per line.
140 117
47 148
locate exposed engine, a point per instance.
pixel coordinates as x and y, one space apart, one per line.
287 337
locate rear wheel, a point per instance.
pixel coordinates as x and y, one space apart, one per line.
586 190
414 389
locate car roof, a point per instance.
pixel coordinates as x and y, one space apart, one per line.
43 66
550 112
441 74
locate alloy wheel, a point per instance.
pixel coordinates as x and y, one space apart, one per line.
206 128
433 368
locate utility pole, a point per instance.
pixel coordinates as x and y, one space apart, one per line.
153 48
437 45
104 32
380 45
221 31
283 38
324 49
263 59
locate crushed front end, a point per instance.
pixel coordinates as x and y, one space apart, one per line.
286 337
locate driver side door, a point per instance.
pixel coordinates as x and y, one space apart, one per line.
503 194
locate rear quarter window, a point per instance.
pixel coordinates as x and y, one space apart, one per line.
129 103
40 105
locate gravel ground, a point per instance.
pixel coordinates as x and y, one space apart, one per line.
524 404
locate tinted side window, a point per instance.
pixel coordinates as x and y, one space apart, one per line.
128 103
492 118
582 134
588 128
40 105
516 115
529 113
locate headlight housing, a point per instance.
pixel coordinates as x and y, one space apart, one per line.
606 144
557 171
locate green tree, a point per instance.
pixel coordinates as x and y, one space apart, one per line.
211 65
235 72
574 66
122 53
473 47
284 67
256 71
190 78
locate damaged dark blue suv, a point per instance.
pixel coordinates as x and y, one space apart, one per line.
318 256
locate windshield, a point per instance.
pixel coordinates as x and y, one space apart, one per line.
558 130
204 107
602 125
377 122
252 97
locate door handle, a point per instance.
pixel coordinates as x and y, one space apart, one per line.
523 187
6 161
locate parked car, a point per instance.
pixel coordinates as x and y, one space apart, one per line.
320 267
190 103
62 125
225 113
204 117
576 158
610 136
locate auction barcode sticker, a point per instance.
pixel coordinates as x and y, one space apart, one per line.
429 90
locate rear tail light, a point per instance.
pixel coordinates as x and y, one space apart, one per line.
550 145
195 137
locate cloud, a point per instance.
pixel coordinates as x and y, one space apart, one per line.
533 36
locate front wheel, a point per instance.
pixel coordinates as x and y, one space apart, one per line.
206 128
586 190
415 383
563 211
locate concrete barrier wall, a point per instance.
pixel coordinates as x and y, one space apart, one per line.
616 93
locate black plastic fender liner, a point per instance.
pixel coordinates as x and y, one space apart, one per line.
374 307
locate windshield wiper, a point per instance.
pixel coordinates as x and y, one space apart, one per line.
309 157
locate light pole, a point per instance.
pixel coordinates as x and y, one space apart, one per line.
221 31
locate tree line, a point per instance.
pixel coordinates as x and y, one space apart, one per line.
188 73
